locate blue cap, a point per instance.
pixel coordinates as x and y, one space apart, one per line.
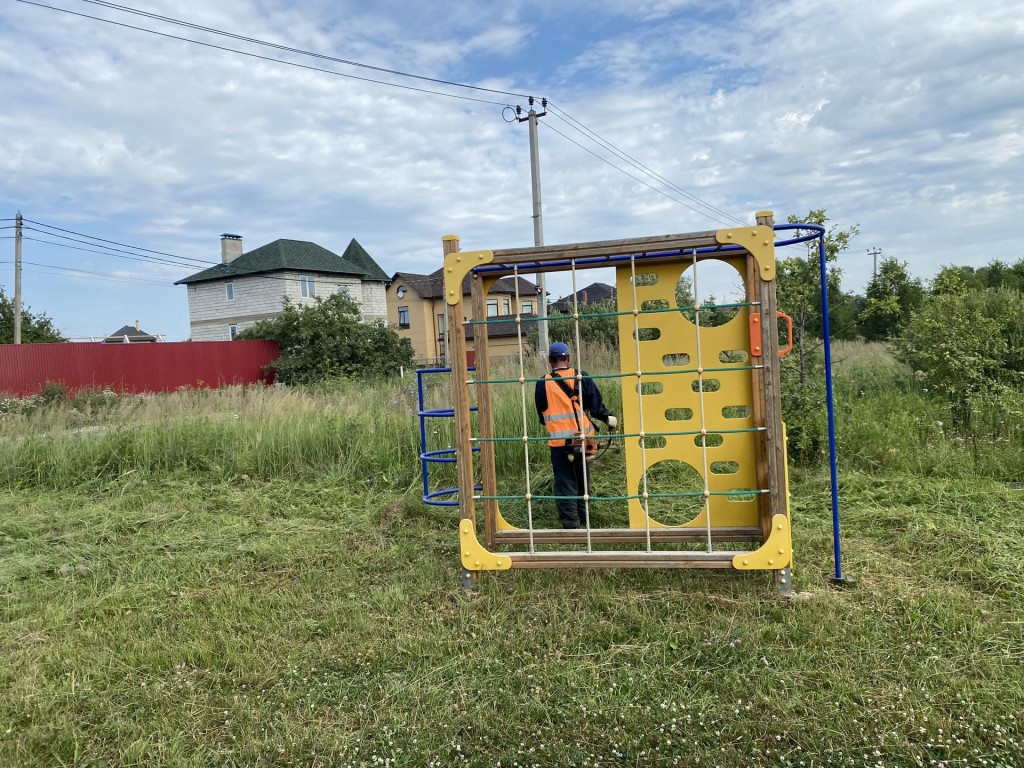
559 349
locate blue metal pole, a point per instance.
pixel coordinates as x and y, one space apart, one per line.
836 548
423 432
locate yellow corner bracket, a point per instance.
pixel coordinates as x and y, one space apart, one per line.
759 240
776 553
456 266
474 556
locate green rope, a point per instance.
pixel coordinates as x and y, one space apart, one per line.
690 371
680 495
494 320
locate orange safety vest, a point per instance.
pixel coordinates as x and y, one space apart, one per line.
564 417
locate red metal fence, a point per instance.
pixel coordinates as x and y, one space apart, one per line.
161 367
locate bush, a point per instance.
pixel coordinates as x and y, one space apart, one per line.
327 340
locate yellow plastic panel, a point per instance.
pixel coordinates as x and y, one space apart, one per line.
677 336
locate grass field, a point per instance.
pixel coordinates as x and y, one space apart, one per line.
248 578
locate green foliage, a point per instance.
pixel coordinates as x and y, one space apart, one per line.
599 325
957 345
326 341
35 329
892 297
799 290
804 409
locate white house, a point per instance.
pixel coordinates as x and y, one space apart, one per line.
247 287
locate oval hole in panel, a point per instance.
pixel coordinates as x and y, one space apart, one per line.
652 441
710 440
684 486
644 278
741 494
729 356
710 385
647 334
736 412
651 388
679 414
676 360
653 304
724 467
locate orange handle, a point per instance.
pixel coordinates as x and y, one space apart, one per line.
789 333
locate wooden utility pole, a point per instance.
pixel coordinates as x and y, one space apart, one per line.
17 278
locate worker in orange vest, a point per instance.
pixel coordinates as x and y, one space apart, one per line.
566 403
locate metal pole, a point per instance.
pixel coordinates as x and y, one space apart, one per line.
837 553
538 221
17 278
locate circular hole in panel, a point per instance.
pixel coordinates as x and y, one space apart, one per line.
715 286
677 492
709 385
679 414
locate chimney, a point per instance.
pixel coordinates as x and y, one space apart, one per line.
230 247
583 297
137 326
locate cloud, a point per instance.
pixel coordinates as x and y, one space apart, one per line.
904 118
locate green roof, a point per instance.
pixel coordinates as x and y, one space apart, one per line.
297 256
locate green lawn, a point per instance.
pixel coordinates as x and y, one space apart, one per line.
209 609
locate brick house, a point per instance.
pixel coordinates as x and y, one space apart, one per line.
416 305
247 287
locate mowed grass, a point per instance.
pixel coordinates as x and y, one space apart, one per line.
249 578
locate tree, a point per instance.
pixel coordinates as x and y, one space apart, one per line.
326 340
799 286
35 329
892 297
957 345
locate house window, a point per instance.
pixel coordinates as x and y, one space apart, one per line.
527 307
232 332
229 291
505 307
307 286
342 289
441 320
492 307
403 317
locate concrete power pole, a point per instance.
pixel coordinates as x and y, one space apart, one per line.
538 217
874 253
17 278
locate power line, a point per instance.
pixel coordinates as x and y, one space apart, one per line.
627 173
560 113
572 122
85 273
266 58
109 251
325 57
114 242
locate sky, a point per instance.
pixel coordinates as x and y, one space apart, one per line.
904 119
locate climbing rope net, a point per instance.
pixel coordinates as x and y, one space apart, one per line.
674 366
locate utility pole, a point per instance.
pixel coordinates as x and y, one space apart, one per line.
538 216
17 278
874 253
